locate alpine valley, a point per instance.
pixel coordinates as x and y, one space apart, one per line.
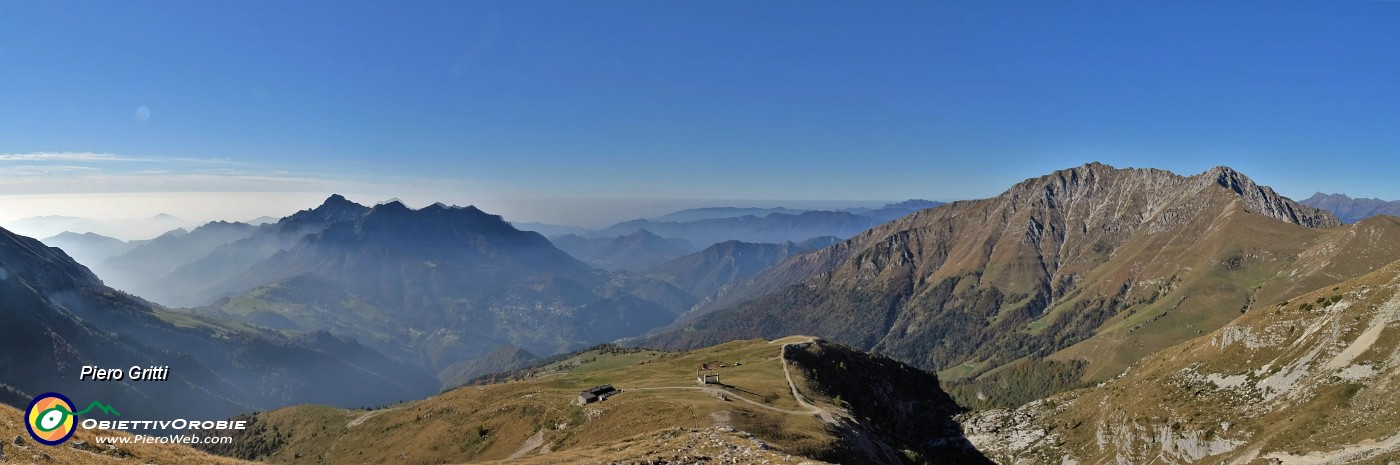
1090 315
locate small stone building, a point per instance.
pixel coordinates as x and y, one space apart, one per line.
596 394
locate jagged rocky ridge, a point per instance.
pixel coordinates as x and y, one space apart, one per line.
1093 263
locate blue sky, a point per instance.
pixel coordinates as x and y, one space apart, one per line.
552 110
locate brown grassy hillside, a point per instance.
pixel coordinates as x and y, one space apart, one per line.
661 414
1310 380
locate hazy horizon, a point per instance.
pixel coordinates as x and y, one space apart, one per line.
199 207
242 207
586 114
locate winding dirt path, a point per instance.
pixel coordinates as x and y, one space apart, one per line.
812 409
361 419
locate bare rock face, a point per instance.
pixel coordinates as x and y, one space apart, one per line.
1264 201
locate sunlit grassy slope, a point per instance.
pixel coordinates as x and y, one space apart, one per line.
529 417
842 405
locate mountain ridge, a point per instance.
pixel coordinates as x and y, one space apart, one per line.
1351 210
442 285
1073 256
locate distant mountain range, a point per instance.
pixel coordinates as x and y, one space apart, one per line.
1093 264
707 271
126 229
549 230
713 213
1220 294
142 269
634 252
1351 210
706 226
774 228
90 248
885 213
59 317
435 287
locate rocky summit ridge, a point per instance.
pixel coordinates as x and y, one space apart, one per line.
1091 264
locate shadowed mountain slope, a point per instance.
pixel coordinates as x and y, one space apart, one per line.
59 317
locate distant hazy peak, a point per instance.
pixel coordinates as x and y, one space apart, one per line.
394 205
89 235
177 232
642 233
914 203
1352 210
337 199
1319 196
221 224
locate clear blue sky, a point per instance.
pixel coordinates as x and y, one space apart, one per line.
506 103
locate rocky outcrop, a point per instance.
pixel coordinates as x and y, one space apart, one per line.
1308 380
1264 201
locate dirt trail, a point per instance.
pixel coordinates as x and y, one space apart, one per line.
718 391
823 413
811 409
361 419
530 444
1347 454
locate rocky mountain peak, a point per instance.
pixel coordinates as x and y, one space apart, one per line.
1095 183
1264 201
337 199
390 207
336 208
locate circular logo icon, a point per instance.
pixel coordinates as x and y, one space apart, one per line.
50 419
